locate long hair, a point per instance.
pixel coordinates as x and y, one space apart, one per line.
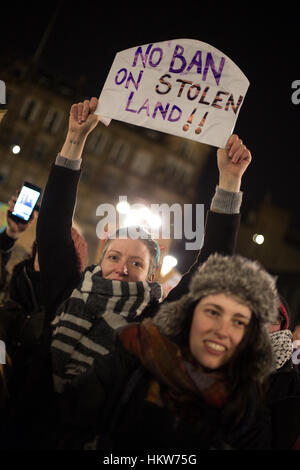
242 373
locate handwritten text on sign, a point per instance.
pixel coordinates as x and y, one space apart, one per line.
182 87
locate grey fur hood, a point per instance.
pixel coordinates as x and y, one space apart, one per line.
246 280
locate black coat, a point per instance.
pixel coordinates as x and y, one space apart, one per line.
21 308
106 409
284 402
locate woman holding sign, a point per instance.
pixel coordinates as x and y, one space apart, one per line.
59 271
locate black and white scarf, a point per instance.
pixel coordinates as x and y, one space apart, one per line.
85 323
282 346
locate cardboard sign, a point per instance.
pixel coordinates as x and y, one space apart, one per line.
182 87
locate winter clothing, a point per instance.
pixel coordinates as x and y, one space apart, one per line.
60 274
22 308
85 323
168 389
151 394
245 280
182 374
21 311
284 390
282 346
60 277
59 283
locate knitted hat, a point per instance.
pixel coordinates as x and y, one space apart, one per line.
80 247
234 275
245 280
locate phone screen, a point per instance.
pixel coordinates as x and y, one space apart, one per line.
25 203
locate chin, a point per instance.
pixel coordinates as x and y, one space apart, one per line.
212 363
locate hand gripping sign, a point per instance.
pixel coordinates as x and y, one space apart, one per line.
182 87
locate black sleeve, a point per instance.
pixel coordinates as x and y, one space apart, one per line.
259 434
6 246
93 395
60 272
220 236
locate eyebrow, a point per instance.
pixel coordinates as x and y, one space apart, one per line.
218 307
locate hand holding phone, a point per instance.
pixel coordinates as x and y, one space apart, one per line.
25 203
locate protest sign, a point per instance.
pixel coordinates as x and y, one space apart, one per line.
182 87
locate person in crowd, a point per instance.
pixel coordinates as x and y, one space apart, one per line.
8 238
296 334
192 378
86 309
284 389
22 307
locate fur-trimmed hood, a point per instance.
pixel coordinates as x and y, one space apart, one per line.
245 280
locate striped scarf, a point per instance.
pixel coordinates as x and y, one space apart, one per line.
84 325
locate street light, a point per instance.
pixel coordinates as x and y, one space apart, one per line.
258 238
16 149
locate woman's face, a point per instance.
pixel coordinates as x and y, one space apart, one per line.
126 260
218 326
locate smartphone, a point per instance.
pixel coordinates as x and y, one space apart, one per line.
25 203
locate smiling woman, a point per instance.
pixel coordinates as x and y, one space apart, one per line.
218 326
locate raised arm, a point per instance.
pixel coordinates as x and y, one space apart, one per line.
223 218
58 261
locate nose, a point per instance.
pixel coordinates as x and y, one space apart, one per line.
122 269
222 329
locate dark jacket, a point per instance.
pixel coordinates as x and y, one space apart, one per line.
284 401
105 409
21 308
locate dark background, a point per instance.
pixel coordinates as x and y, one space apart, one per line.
262 41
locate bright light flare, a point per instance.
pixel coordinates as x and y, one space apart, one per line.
169 262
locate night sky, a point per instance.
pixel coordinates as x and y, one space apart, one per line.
263 43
